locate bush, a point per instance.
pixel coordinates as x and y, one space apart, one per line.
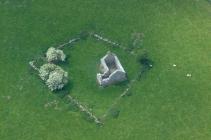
55 55
54 76
57 80
145 62
114 113
84 35
143 59
45 70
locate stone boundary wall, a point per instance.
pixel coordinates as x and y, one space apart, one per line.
76 102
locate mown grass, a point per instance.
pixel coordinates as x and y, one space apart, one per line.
84 59
165 104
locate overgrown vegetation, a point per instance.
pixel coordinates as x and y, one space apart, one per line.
145 63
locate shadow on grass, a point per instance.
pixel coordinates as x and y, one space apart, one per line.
122 84
63 94
65 91
146 64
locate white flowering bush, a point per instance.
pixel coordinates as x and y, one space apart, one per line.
57 80
45 70
55 55
54 76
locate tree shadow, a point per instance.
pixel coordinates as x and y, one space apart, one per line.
65 91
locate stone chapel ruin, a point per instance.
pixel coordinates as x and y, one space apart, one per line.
111 70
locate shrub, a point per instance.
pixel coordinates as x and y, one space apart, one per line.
45 70
114 112
57 79
84 35
145 62
54 76
55 55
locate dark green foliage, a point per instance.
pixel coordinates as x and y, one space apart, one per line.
114 112
129 93
84 35
145 63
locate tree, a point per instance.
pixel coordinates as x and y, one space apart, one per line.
54 76
57 80
45 70
55 55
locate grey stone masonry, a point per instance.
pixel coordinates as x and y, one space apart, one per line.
111 70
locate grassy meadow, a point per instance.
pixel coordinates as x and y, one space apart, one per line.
165 104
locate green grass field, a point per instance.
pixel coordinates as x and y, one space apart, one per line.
165 103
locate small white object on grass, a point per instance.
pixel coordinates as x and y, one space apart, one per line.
150 65
174 65
188 75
